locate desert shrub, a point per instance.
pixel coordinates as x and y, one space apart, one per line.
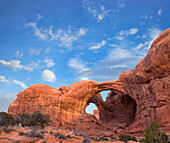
86 140
56 135
6 119
7 129
21 133
35 119
95 139
68 136
61 136
103 139
51 132
39 119
24 119
152 135
126 138
78 133
43 131
142 140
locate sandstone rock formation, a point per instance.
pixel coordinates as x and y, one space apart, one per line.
138 97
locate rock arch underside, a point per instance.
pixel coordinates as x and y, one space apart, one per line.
138 97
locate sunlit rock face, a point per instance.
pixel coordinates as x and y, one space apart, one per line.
138 97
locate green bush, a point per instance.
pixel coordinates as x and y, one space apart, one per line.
6 119
103 139
126 138
152 135
35 119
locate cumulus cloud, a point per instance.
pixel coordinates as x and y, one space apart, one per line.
98 45
18 54
9 81
15 65
64 37
48 75
35 51
48 62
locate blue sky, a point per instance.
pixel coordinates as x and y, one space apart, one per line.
58 42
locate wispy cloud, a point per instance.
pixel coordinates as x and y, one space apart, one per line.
20 83
47 50
64 37
98 12
9 81
18 54
38 32
125 33
160 12
16 65
35 51
48 62
98 45
48 75
39 16
150 35
3 79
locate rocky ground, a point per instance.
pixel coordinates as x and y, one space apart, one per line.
46 135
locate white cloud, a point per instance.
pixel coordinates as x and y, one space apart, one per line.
39 16
160 12
150 35
98 13
47 50
20 83
98 46
131 31
48 75
78 65
35 51
146 17
15 64
125 33
18 54
118 53
38 32
121 3
113 45
49 62
65 37
4 80
142 45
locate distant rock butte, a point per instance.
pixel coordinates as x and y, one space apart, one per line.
138 97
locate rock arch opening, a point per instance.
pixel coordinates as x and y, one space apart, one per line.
121 109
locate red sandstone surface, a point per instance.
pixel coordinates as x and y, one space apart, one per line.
138 97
